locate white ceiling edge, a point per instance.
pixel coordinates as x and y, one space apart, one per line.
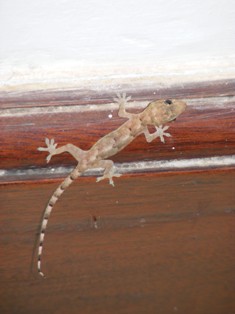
65 74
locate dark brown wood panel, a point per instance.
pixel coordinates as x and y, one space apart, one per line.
166 246
207 128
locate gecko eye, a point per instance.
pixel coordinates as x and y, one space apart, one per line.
168 102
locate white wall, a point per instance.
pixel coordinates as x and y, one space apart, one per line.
54 41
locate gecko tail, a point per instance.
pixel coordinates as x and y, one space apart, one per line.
55 196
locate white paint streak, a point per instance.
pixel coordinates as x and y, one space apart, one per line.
178 164
132 167
198 104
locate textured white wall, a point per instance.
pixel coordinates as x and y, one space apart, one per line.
61 38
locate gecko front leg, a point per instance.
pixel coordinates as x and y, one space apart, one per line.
122 100
160 132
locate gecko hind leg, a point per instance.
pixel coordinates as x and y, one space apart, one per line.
108 166
73 150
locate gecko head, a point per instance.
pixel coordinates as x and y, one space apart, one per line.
162 111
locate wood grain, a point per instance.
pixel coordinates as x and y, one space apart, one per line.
164 242
105 94
207 128
166 246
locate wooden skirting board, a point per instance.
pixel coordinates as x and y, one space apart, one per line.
160 241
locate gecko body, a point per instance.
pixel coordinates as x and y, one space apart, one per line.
156 114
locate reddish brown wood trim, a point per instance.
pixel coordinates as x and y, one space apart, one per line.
167 244
45 98
207 128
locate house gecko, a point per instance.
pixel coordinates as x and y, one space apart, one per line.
156 114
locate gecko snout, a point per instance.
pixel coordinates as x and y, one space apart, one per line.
174 108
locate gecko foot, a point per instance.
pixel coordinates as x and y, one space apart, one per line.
108 176
51 148
161 132
122 98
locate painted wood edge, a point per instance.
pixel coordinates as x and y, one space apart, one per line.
13 176
205 129
140 92
197 104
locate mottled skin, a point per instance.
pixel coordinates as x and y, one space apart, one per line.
156 114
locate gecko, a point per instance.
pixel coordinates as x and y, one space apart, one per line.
156 114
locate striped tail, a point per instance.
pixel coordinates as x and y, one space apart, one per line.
55 196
